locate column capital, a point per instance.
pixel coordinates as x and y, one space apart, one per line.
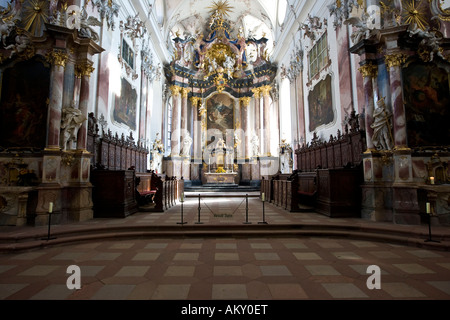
395 59
84 69
57 57
175 90
256 92
195 100
265 90
369 70
245 101
184 92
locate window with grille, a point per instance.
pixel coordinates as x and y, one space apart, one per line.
318 56
127 54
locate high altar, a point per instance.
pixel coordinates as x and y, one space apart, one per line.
223 105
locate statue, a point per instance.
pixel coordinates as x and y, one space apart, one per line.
255 145
86 30
382 136
186 147
71 121
157 155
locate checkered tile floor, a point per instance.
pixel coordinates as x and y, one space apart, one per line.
224 268
237 268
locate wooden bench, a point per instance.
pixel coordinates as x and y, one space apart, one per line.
146 188
158 192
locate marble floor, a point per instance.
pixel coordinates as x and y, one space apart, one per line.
225 268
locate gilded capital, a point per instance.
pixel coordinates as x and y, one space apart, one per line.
57 58
175 90
184 92
369 70
395 59
194 101
84 69
245 101
265 90
257 92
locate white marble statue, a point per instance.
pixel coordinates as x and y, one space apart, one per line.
186 146
71 121
382 134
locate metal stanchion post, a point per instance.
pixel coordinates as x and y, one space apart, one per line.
199 208
50 210
182 201
429 214
246 210
264 216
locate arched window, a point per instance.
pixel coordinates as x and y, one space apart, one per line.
282 6
285 110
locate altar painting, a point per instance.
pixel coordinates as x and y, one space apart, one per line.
23 105
427 97
220 117
320 104
125 105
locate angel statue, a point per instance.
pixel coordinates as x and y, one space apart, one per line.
86 30
362 30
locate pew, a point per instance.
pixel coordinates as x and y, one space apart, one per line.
328 178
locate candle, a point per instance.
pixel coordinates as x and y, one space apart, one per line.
262 196
431 180
428 207
182 196
50 207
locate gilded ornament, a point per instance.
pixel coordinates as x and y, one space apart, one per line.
265 90
245 101
57 58
369 70
175 90
184 92
84 70
395 59
195 100
256 92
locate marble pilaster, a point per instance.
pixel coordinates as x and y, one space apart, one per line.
265 90
175 138
58 59
369 72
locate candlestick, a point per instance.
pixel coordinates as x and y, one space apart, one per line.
50 207
428 207
431 180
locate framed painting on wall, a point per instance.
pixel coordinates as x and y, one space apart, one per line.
320 102
125 105
23 105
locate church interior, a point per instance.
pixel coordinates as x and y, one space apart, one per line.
332 109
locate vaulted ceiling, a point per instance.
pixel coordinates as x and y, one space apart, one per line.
254 17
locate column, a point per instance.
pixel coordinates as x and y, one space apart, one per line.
369 72
175 139
196 139
245 125
58 59
394 63
257 128
265 90
85 70
184 113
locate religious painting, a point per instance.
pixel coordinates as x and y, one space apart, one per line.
320 103
125 105
220 117
426 94
23 105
